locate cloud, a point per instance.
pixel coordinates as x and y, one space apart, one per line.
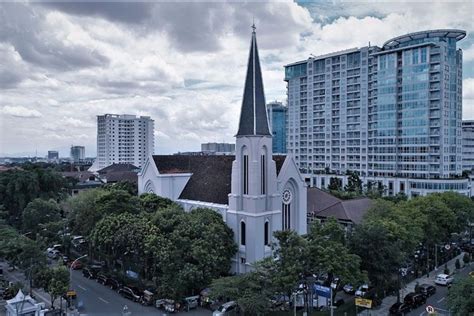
468 98
468 54
31 35
20 111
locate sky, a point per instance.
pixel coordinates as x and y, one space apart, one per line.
182 63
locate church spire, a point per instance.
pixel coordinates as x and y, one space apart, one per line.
253 115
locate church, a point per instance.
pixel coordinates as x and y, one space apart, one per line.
256 192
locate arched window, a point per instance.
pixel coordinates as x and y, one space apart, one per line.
286 210
263 175
266 231
242 233
246 174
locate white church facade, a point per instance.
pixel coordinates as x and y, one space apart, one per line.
256 192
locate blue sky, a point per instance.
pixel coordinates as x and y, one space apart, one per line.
64 63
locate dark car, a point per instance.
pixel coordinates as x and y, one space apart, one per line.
130 292
427 289
114 284
101 278
414 299
399 309
91 271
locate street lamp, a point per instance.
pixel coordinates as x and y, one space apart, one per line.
70 268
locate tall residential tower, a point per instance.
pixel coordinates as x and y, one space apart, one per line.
391 113
123 139
277 120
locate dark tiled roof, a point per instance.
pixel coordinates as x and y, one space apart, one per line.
211 175
118 167
82 176
323 204
253 115
130 176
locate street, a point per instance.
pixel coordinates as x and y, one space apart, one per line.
100 300
438 300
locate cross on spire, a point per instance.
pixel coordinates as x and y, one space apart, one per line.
253 26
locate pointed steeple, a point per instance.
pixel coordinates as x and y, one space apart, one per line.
253 115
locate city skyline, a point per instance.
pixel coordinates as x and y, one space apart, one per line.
186 76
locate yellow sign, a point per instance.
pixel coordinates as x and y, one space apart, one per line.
363 302
71 293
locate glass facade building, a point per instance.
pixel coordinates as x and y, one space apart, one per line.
277 121
467 145
390 111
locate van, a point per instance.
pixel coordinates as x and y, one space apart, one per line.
443 279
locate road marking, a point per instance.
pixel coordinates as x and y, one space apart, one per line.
441 299
106 302
82 288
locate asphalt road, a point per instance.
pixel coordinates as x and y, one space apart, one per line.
100 300
438 300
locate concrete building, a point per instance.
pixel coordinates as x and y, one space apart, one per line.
277 120
78 153
467 145
123 139
256 192
391 113
218 149
53 156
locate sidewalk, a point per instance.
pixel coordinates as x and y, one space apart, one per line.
18 276
387 302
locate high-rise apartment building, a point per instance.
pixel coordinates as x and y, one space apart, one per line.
53 156
467 145
277 120
391 113
78 153
123 139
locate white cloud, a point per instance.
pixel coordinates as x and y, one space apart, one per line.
20 111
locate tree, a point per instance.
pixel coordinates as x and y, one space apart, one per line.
124 236
354 183
82 211
39 212
461 205
54 281
19 187
335 184
116 202
151 202
327 253
195 248
461 297
130 187
252 291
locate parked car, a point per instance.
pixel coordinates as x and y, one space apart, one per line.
363 290
130 292
114 284
349 289
170 306
427 290
227 309
52 253
399 309
323 279
91 271
443 279
101 278
76 265
414 299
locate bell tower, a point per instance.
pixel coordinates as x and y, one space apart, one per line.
254 202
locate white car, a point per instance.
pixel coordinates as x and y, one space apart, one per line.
443 279
227 309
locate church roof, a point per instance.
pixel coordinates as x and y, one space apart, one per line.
211 175
323 204
253 115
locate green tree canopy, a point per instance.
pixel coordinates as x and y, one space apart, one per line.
39 212
461 297
151 202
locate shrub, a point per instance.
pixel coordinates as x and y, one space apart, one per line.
466 258
446 270
457 264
